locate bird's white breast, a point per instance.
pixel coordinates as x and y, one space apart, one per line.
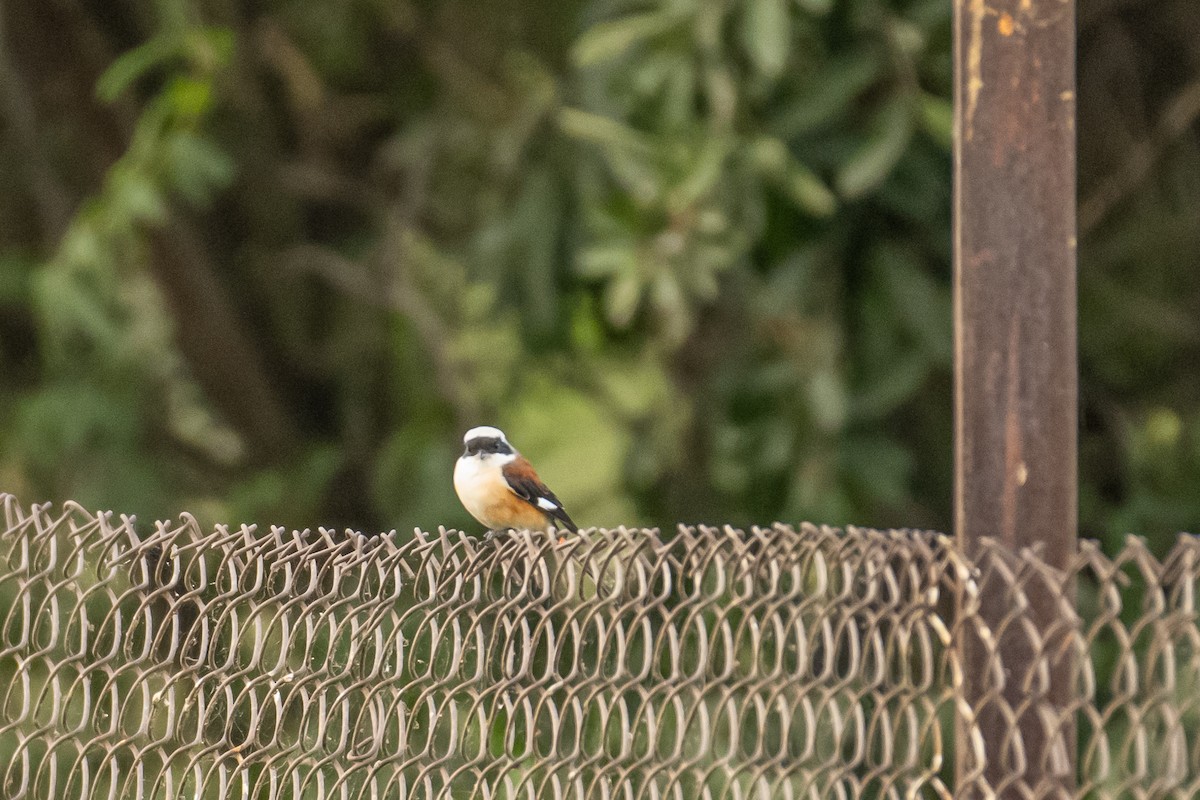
478 480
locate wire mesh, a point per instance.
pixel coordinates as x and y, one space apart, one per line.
780 662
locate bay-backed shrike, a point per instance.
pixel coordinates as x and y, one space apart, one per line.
500 488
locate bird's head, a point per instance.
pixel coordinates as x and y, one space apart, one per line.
486 440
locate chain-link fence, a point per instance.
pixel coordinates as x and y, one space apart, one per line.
717 663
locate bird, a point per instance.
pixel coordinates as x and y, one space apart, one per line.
500 488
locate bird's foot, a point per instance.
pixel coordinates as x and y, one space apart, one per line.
498 535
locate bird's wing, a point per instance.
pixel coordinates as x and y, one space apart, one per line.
526 484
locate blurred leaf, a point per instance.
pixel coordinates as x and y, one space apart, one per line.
906 37
206 48
635 387
189 98
197 167
706 170
587 328
607 133
826 94
878 467
937 119
766 35
537 227
891 130
210 48
622 295
671 307
802 185
136 199
63 422
606 40
808 191
816 7
827 397
1163 427
922 304
678 92
132 65
602 260
891 387
15 271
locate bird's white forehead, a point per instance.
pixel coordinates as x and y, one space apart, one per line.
484 432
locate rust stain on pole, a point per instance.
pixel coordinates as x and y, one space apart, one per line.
1015 366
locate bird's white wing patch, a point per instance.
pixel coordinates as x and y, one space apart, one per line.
548 505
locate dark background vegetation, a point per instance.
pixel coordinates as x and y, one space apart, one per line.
265 261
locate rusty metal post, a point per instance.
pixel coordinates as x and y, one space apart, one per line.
1015 356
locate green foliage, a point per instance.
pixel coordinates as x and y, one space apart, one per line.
692 254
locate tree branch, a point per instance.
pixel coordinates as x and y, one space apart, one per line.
1181 113
51 199
356 281
213 340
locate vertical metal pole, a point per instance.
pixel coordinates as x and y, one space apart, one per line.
1015 348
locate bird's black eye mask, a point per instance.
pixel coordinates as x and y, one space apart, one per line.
490 444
